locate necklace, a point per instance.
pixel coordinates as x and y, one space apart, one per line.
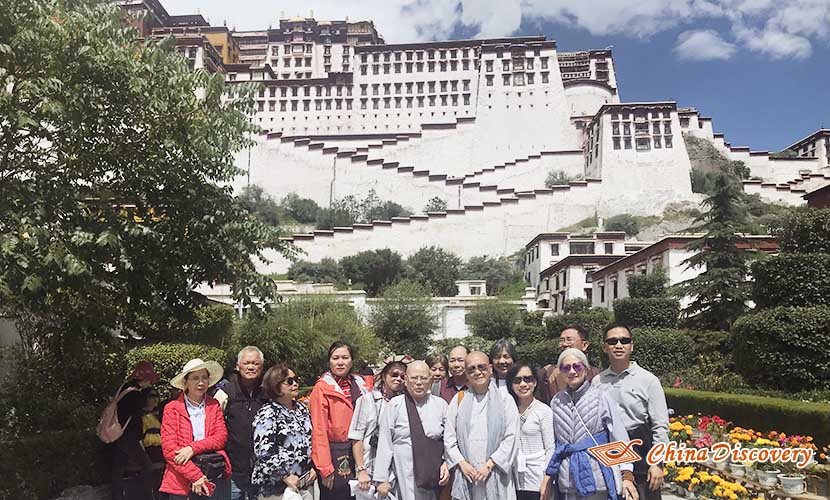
523 416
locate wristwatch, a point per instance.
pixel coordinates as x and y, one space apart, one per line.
362 468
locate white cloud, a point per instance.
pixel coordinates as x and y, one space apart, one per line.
703 45
774 28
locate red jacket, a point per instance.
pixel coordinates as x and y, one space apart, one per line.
331 415
177 433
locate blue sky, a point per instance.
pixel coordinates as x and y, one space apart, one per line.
759 68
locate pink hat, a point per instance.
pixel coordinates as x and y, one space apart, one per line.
143 370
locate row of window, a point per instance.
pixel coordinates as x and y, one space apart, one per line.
641 114
644 143
306 91
417 55
640 128
376 103
417 87
300 62
304 48
416 67
517 64
518 79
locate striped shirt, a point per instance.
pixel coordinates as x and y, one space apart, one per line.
535 438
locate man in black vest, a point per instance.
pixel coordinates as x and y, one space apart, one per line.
242 397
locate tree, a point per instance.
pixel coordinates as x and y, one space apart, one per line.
626 223
303 210
720 292
116 161
493 319
560 178
373 269
327 270
404 318
385 211
499 272
260 205
435 204
350 210
436 269
646 286
577 305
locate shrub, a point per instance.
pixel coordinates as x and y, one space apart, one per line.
792 280
499 272
301 331
214 323
626 223
540 353
492 319
404 318
756 412
784 347
711 341
594 320
646 286
711 372
560 178
435 204
804 230
374 269
301 209
663 350
652 312
168 359
326 271
578 305
472 342
436 269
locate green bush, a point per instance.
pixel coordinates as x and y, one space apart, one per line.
301 331
711 341
594 320
578 305
327 270
711 372
214 324
804 230
646 286
663 350
657 312
493 319
472 342
784 347
530 327
756 412
168 359
539 353
627 223
792 280
404 318
39 466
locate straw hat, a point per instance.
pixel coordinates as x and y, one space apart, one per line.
214 369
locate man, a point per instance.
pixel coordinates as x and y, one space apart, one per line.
457 379
411 438
643 404
244 397
480 436
575 336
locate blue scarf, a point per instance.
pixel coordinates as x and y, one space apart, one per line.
582 476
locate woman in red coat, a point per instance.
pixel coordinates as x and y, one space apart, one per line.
193 434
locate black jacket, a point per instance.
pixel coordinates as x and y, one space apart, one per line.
131 405
239 417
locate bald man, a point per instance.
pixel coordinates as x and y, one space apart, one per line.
410 440
480 439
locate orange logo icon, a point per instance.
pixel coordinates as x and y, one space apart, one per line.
616 453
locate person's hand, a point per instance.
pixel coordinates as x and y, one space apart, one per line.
328 481
200 487
545 489
629 490
312 476
485 470
183 455
363 480
469 471
655 477
384 489
444 477
292 481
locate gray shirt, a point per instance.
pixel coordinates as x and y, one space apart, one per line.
640 397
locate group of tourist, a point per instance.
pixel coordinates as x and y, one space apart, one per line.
466 426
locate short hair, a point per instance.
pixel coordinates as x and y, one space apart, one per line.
435 358
273 379
503 345
573 351
511 373
379 380
456 346
617 324
337 344
250 348
583 332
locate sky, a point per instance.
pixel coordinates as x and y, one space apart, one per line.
759 68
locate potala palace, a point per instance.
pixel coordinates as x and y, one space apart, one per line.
476 123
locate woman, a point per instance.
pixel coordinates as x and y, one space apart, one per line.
439 367
332 405
502 357
584 417
363 430
282 439
536 431
151 426
193 436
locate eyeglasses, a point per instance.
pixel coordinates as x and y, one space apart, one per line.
618 340
576 367
396 374
194 378
291 381
527 379
477 368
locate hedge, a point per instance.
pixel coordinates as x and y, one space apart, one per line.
805 230
40 466
168 359
594 320
792 280
784 347
663 350
756 412
656 312
540 353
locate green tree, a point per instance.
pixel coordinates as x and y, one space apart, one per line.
498 272
560 178
385 211
493 319
646 286
436 269
303 210
578 305
626 223
327 270
404 318
719 293
260 205
373 269
116 161
435 204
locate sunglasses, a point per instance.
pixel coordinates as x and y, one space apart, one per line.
618 340
480 368
291 381
527 379
577 367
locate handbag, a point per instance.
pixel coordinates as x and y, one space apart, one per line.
212 465
428 454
